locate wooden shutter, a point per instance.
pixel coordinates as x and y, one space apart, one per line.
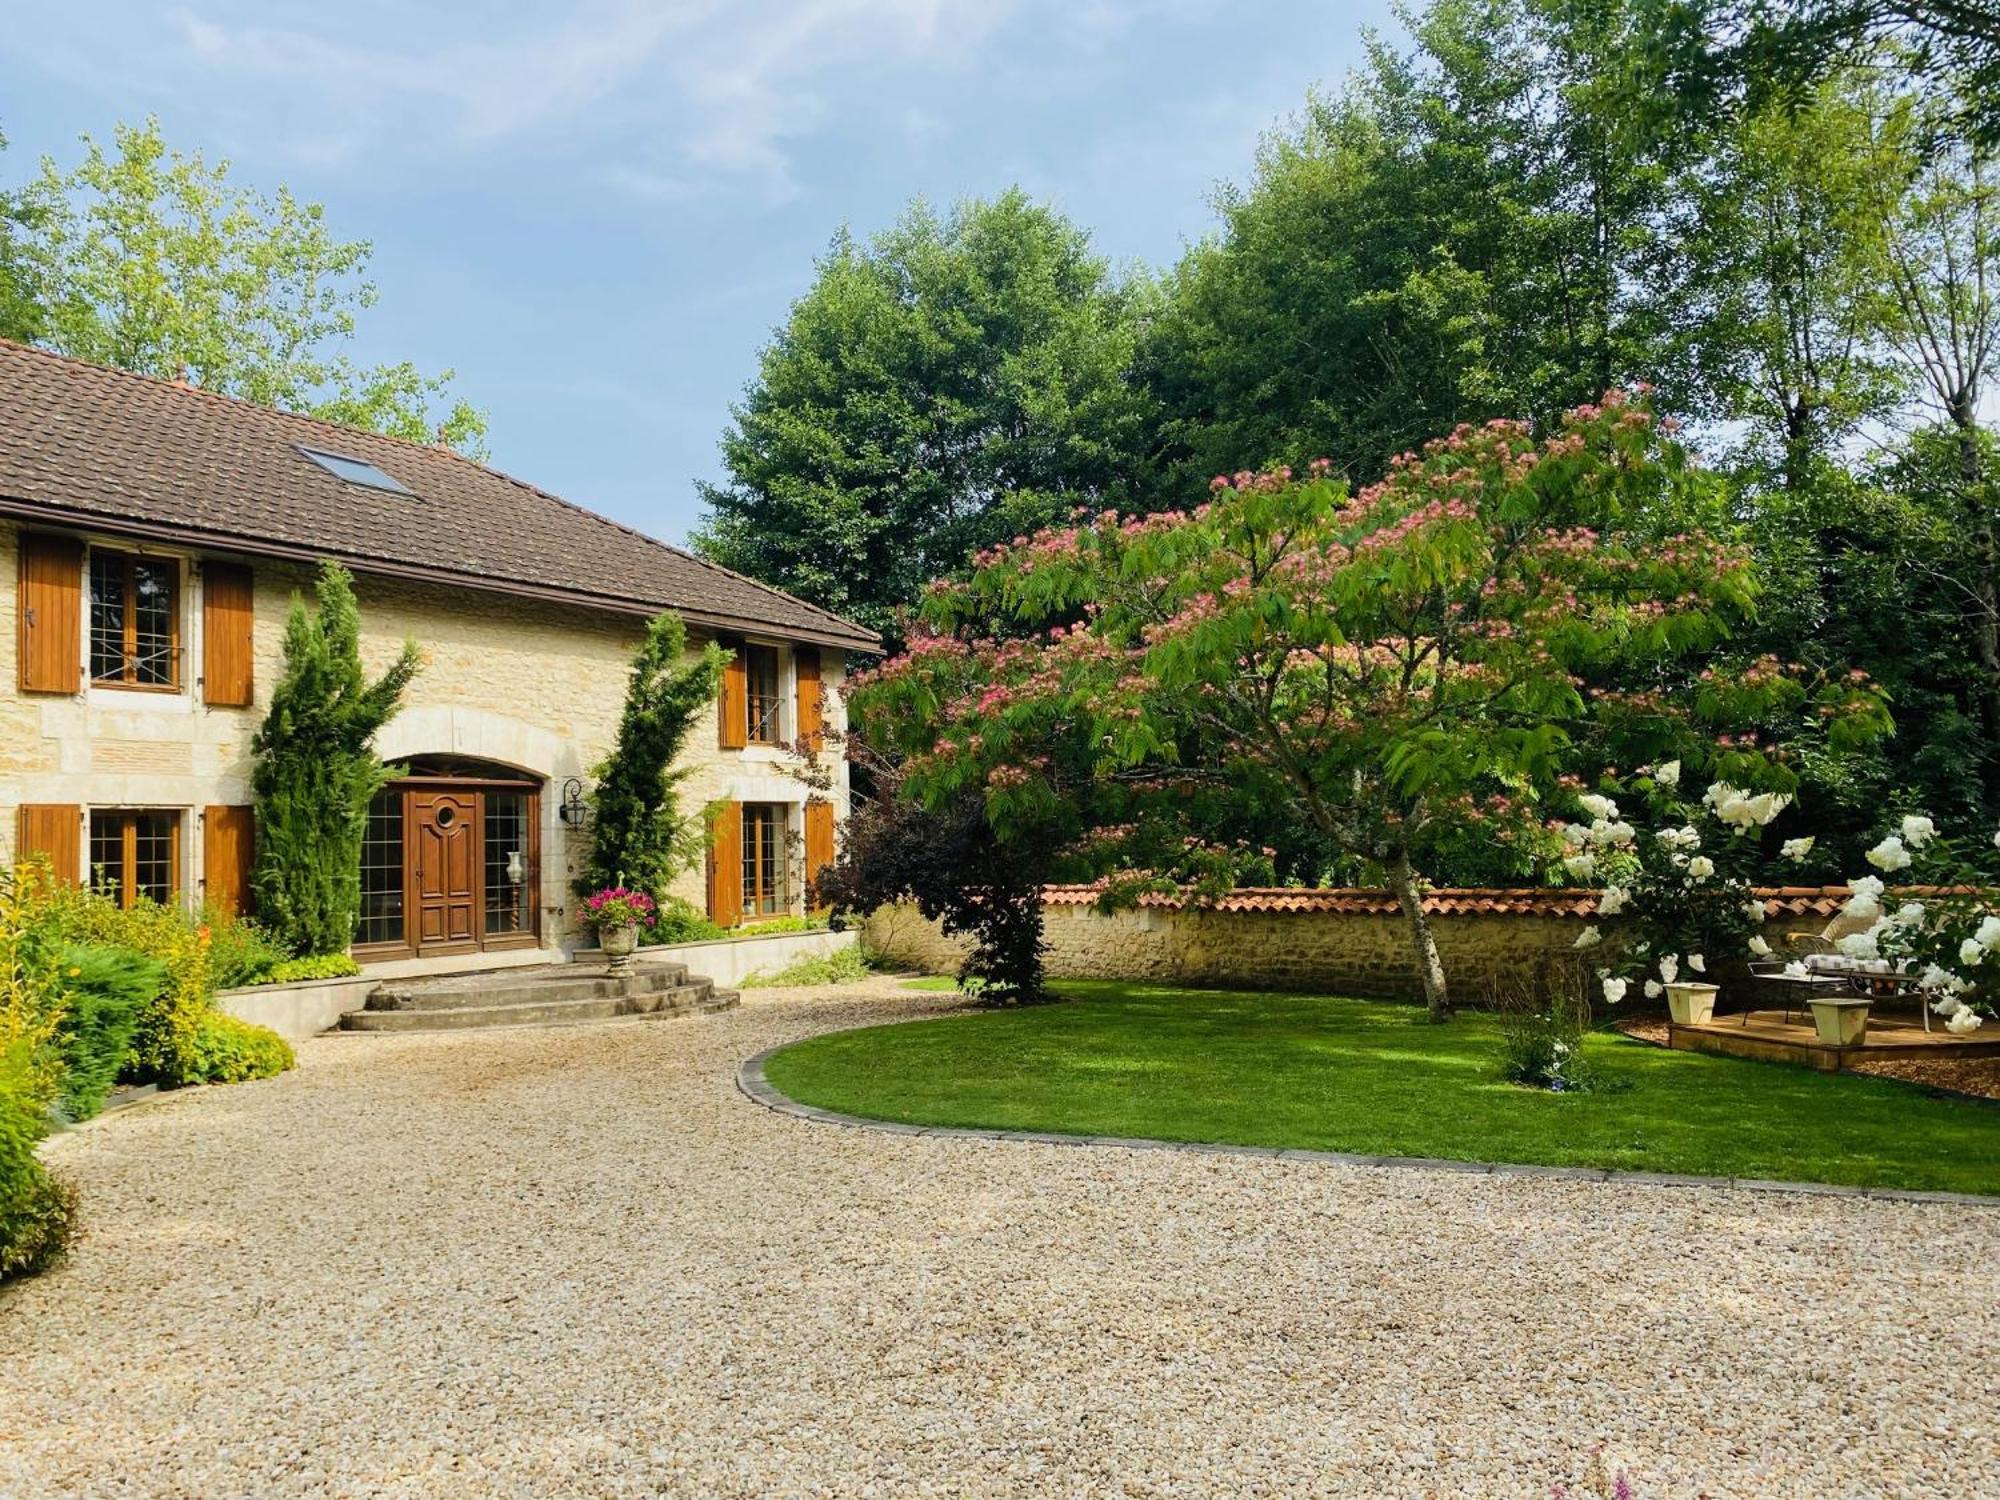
227 614
733 717
50 607
819 845
812 694
228 836
725 865
54 829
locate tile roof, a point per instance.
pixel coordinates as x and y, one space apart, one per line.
88 446
1782 901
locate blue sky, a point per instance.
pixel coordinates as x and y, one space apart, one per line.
596 213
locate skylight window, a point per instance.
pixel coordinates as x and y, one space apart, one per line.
354 471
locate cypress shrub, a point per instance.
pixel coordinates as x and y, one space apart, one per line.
639 837
316 770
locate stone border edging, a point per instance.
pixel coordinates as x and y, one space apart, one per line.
756 1087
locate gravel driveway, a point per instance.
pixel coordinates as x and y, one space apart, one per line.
578 1262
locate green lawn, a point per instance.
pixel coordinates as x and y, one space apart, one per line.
1351 1075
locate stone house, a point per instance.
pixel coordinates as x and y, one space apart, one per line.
152 536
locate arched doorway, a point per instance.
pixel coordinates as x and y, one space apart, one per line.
451 861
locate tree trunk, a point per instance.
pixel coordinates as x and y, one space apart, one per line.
1430 968
1985 590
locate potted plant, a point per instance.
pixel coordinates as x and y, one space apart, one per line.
614 914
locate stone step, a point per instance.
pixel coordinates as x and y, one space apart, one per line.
523 987
699 997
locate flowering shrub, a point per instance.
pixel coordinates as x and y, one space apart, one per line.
1683 883
617 906
1945 931
1371 667
1686 886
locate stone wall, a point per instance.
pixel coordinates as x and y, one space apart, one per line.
1348 952
730 961
1363 954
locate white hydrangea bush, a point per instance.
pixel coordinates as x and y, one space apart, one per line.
1683 883
1686 887
1940 926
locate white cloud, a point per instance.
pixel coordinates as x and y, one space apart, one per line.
714 91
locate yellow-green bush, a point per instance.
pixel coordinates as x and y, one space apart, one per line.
176 1040
314 966
77 974
162 1041
35 1208
227 1049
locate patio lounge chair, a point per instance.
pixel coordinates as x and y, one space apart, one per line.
1828 971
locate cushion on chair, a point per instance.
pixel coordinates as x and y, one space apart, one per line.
1840 963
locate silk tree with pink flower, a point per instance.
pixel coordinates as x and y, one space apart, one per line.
1499 612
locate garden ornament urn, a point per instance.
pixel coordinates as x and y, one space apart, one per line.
1691 1004
618 944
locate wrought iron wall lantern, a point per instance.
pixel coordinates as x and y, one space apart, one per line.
572 809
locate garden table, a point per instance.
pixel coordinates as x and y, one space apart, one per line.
1797 990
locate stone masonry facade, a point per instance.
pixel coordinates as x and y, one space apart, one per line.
536 686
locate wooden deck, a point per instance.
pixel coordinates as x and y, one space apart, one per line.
1767 1036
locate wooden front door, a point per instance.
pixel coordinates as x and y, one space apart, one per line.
445 873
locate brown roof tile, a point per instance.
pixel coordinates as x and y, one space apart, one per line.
90 446
1783 901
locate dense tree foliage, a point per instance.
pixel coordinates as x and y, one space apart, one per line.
155 261
1467 230
955 381
1781 216
1712 53
20 304
1442 649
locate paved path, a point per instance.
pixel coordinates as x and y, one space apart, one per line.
579 1262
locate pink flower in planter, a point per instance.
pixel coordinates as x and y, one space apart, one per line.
617 906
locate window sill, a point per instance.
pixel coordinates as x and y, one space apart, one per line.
157 688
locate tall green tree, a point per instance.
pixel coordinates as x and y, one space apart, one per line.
1941 266
315 770
1716 55
1470 228
20 302
1785 261
639 837
151 260
955 381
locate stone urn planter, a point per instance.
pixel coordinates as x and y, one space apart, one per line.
619 944
1840 1022
1691 1004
